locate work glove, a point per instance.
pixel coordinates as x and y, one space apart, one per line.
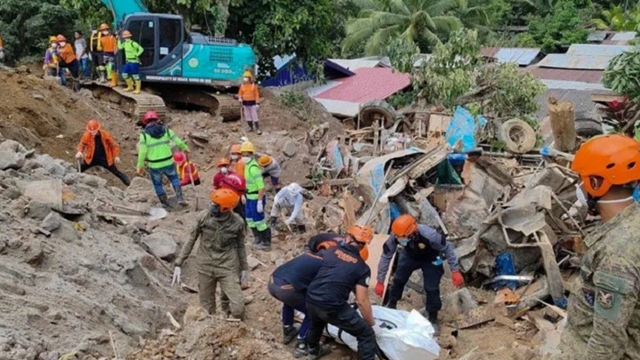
117 160
456 279
140 171
244 276
79 155
177 271
379 289
272 221
260 207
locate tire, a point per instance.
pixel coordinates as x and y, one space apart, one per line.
588 128
378 109
518 136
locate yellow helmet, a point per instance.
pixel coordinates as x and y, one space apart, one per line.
53 39
247 146
265 160
247 74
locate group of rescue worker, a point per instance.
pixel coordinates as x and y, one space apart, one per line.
103 48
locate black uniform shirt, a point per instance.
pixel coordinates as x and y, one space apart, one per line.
299 271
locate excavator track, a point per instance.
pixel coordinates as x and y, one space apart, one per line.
218 104
134 105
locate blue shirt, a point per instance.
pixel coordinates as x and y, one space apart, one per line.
299 271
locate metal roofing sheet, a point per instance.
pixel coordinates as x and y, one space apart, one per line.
597 50
336 107
520 56
570 61
571 85
367 84
354 64
597 36
584 76
624 36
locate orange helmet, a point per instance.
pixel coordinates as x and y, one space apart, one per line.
93 125
613 158
104 26
223 162
361 234
60 38
404 226
126 34
226 199
235 149
265 160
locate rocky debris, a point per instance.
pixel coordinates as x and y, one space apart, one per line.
290 148
161 244
51 222
11 160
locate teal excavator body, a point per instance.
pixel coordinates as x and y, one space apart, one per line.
171 55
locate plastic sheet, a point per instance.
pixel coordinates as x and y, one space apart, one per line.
461 134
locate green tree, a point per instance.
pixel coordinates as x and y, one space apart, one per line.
622 74
617 18
424 22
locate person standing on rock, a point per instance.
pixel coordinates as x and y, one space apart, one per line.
249 98
154 146
421 247
227 179
99 148
221 255
290 199
254 209
603 316
270 169
67 60
342 271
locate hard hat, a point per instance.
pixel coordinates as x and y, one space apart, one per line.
265 160
364 253
294 188
61 38
247 146
93 125
104 26
235 149
404 226
52 39
361 234
247 74
126 34
613 158
227 199
223 162
149 116
179 157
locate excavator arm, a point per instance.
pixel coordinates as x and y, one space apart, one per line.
121 8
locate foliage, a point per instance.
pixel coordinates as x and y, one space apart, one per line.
564 26
617 18
26 26
402 54
424 23
456 74
622 74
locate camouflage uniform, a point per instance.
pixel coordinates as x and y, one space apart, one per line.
603 318
221 256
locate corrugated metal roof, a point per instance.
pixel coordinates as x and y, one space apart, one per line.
585 76
624 36
597 36
597 50
581 100
571 85
342 108
520 56
570 61
280 61
354 64
489 51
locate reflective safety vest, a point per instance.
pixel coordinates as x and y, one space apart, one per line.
132 50
183 172
253 177
158 151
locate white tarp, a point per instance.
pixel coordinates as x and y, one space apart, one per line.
402 335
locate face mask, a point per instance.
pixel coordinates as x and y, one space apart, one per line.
582 197
246 159
246 79
224 170
214 210
105 32
54 45
234 157
93 133
63 43
403 241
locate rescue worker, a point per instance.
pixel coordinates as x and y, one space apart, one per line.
131 70
237 165
254 209
83 54
108 47
421 247
270 169
603 313
221 255
51 59
186 169
96 55
227 179
67 60
288 283
249 98
324 241
99 148
1 49
154 146
342 271
290 199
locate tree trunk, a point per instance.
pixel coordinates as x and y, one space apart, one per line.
563 124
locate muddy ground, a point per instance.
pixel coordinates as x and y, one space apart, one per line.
113 294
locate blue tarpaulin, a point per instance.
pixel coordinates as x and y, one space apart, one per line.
461 134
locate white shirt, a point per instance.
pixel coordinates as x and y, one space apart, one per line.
289 199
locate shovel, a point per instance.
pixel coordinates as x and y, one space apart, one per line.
154 213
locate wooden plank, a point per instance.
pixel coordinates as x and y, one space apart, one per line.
481 315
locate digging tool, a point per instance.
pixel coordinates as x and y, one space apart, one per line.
152 214
79 167
192 182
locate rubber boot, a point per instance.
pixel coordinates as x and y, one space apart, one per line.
129 82
164 201
114 79
102 75
302 349
433 319
319 352
256 236
289 333
257 125
180 197
265 237
138 87
250 126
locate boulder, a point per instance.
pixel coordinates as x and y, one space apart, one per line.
70 178
290 148
51 221
38 210
53 166
12 146
11 160
161 244
91 180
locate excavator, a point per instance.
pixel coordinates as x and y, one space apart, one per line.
177 67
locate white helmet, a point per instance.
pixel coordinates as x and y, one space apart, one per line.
294 188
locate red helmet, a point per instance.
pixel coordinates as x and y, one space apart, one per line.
149 116
61 38
234 182
179 157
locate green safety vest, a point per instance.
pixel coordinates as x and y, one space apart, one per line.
132 50
253 177
158 151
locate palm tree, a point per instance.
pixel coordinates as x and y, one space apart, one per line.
619 19
425 23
